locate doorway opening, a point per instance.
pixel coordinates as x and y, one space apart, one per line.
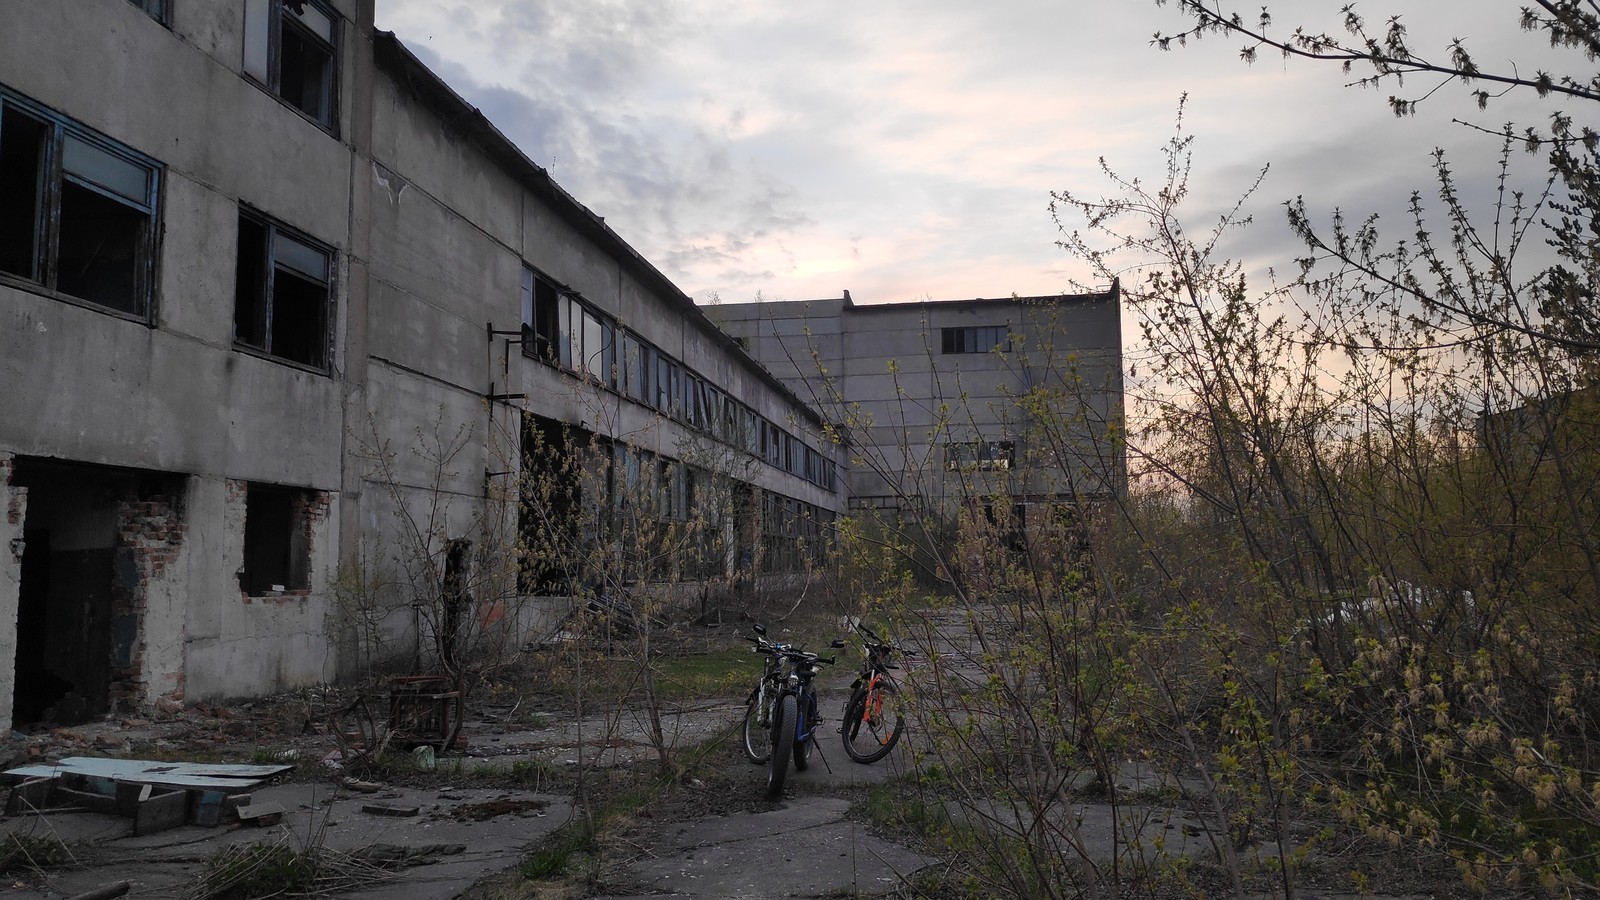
86 557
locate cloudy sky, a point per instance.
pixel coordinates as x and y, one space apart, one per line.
907 150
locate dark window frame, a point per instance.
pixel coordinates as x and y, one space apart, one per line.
265 65
277 541
53 177
557 325
974 339
271 265
159 10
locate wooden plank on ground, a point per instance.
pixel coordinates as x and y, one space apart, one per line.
161 811
29 795
211 777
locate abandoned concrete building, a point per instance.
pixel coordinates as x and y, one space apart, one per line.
958 401
277 308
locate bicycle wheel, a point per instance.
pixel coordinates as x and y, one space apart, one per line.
756 737
784 714
802 748
872 722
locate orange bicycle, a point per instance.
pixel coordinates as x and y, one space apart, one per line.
873 718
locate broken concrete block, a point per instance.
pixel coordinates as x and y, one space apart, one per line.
388 809
259 814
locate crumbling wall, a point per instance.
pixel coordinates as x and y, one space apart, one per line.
13 511
148 597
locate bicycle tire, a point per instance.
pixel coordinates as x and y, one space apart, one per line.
802 747
757 740
784 713
869 737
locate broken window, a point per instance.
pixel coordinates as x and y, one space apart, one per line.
541 327
77 210
597 337
156 9
562 330
284 291
980 455
291 48
277 541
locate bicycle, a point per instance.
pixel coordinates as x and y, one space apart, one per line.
794 716
872 716
758 706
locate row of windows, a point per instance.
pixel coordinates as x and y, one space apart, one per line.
78 217
562 330
793 533
980 455
974 339
668 518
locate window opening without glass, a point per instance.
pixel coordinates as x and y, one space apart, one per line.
284 293
291 48
77 209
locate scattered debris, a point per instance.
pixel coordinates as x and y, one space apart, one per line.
155 795
482 812
259 814
389 809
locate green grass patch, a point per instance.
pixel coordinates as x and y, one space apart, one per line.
693 676
560 854
248 871
617 678
534 774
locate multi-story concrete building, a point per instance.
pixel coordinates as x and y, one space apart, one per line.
961 400
279 309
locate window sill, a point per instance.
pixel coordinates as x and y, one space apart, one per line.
277 598
247 350
37 289
330 129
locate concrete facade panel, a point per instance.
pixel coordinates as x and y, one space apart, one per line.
434 338
428 155
555 248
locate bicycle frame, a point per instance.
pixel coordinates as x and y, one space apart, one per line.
806 710
864 710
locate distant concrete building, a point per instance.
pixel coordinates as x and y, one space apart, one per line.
956 400
254 259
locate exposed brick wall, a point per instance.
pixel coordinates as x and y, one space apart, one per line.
150 536
311 509
17 502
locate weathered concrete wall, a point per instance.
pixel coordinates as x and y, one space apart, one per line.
246 645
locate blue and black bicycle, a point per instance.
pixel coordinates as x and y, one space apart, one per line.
793 716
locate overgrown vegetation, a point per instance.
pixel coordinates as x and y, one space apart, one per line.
26 852
1353 580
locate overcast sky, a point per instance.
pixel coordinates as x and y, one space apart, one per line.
906 150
